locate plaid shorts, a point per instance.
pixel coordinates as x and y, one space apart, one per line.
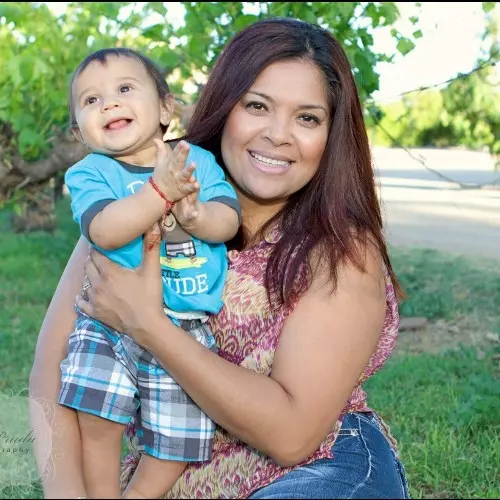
107 374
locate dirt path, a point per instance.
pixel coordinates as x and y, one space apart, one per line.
448 335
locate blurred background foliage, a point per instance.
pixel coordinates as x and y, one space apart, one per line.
40 50
464 112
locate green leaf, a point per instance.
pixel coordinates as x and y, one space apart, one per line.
405 45
390 12
4 101
158 7
488 6
155 32
344 9
417 34
40 68
243 21
28 137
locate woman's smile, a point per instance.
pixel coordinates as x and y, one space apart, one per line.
269 165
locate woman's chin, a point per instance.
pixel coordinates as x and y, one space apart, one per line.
267 195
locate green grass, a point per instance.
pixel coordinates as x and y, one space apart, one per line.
31 265
444 412
440 285
443 408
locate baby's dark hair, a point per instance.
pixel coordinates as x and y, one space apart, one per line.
102 55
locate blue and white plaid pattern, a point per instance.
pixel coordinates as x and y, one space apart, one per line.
107 374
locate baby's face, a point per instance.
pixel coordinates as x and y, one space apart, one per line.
118 110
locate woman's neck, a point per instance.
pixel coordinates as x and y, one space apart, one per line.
255 214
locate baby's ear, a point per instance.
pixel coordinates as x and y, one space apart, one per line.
167 109
75 131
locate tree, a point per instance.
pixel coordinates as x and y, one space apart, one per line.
472 104
466 112
40 50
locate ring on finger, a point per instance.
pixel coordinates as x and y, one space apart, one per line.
86 286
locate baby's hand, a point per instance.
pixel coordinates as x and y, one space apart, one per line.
187 210
172 178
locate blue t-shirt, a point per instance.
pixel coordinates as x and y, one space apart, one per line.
193 271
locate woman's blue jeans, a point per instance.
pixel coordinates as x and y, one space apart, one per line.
364 466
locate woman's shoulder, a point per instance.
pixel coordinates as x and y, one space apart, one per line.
363 269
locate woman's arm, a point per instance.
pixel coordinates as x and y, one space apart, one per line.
325 345
65 479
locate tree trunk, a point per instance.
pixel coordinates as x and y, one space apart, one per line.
17 173
36 211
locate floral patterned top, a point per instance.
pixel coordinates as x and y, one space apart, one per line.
247 333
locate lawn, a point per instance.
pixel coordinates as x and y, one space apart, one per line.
439 392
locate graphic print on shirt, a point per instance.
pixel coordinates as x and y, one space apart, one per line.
178 243
133 186
179 251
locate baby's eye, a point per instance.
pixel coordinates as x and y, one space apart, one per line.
91 100
125 88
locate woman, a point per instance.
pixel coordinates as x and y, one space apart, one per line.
310 300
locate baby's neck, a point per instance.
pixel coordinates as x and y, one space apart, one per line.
144 158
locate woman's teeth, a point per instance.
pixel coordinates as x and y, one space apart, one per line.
270 161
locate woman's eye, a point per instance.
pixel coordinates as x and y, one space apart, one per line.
310 119
257 106
91 100
125 88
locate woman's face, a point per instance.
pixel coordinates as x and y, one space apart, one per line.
275 136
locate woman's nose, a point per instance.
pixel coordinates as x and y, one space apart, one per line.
278 131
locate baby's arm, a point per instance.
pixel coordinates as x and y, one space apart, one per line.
121 221
111 223
213 221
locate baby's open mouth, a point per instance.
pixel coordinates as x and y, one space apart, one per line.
117 124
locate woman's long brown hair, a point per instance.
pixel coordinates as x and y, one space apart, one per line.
337 213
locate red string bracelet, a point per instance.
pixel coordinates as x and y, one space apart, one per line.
169 204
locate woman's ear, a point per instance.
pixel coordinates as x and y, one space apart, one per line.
167 110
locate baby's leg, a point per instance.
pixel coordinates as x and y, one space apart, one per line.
171 428
153 477
98 377
101 449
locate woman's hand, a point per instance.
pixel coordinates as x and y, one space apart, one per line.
125 299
